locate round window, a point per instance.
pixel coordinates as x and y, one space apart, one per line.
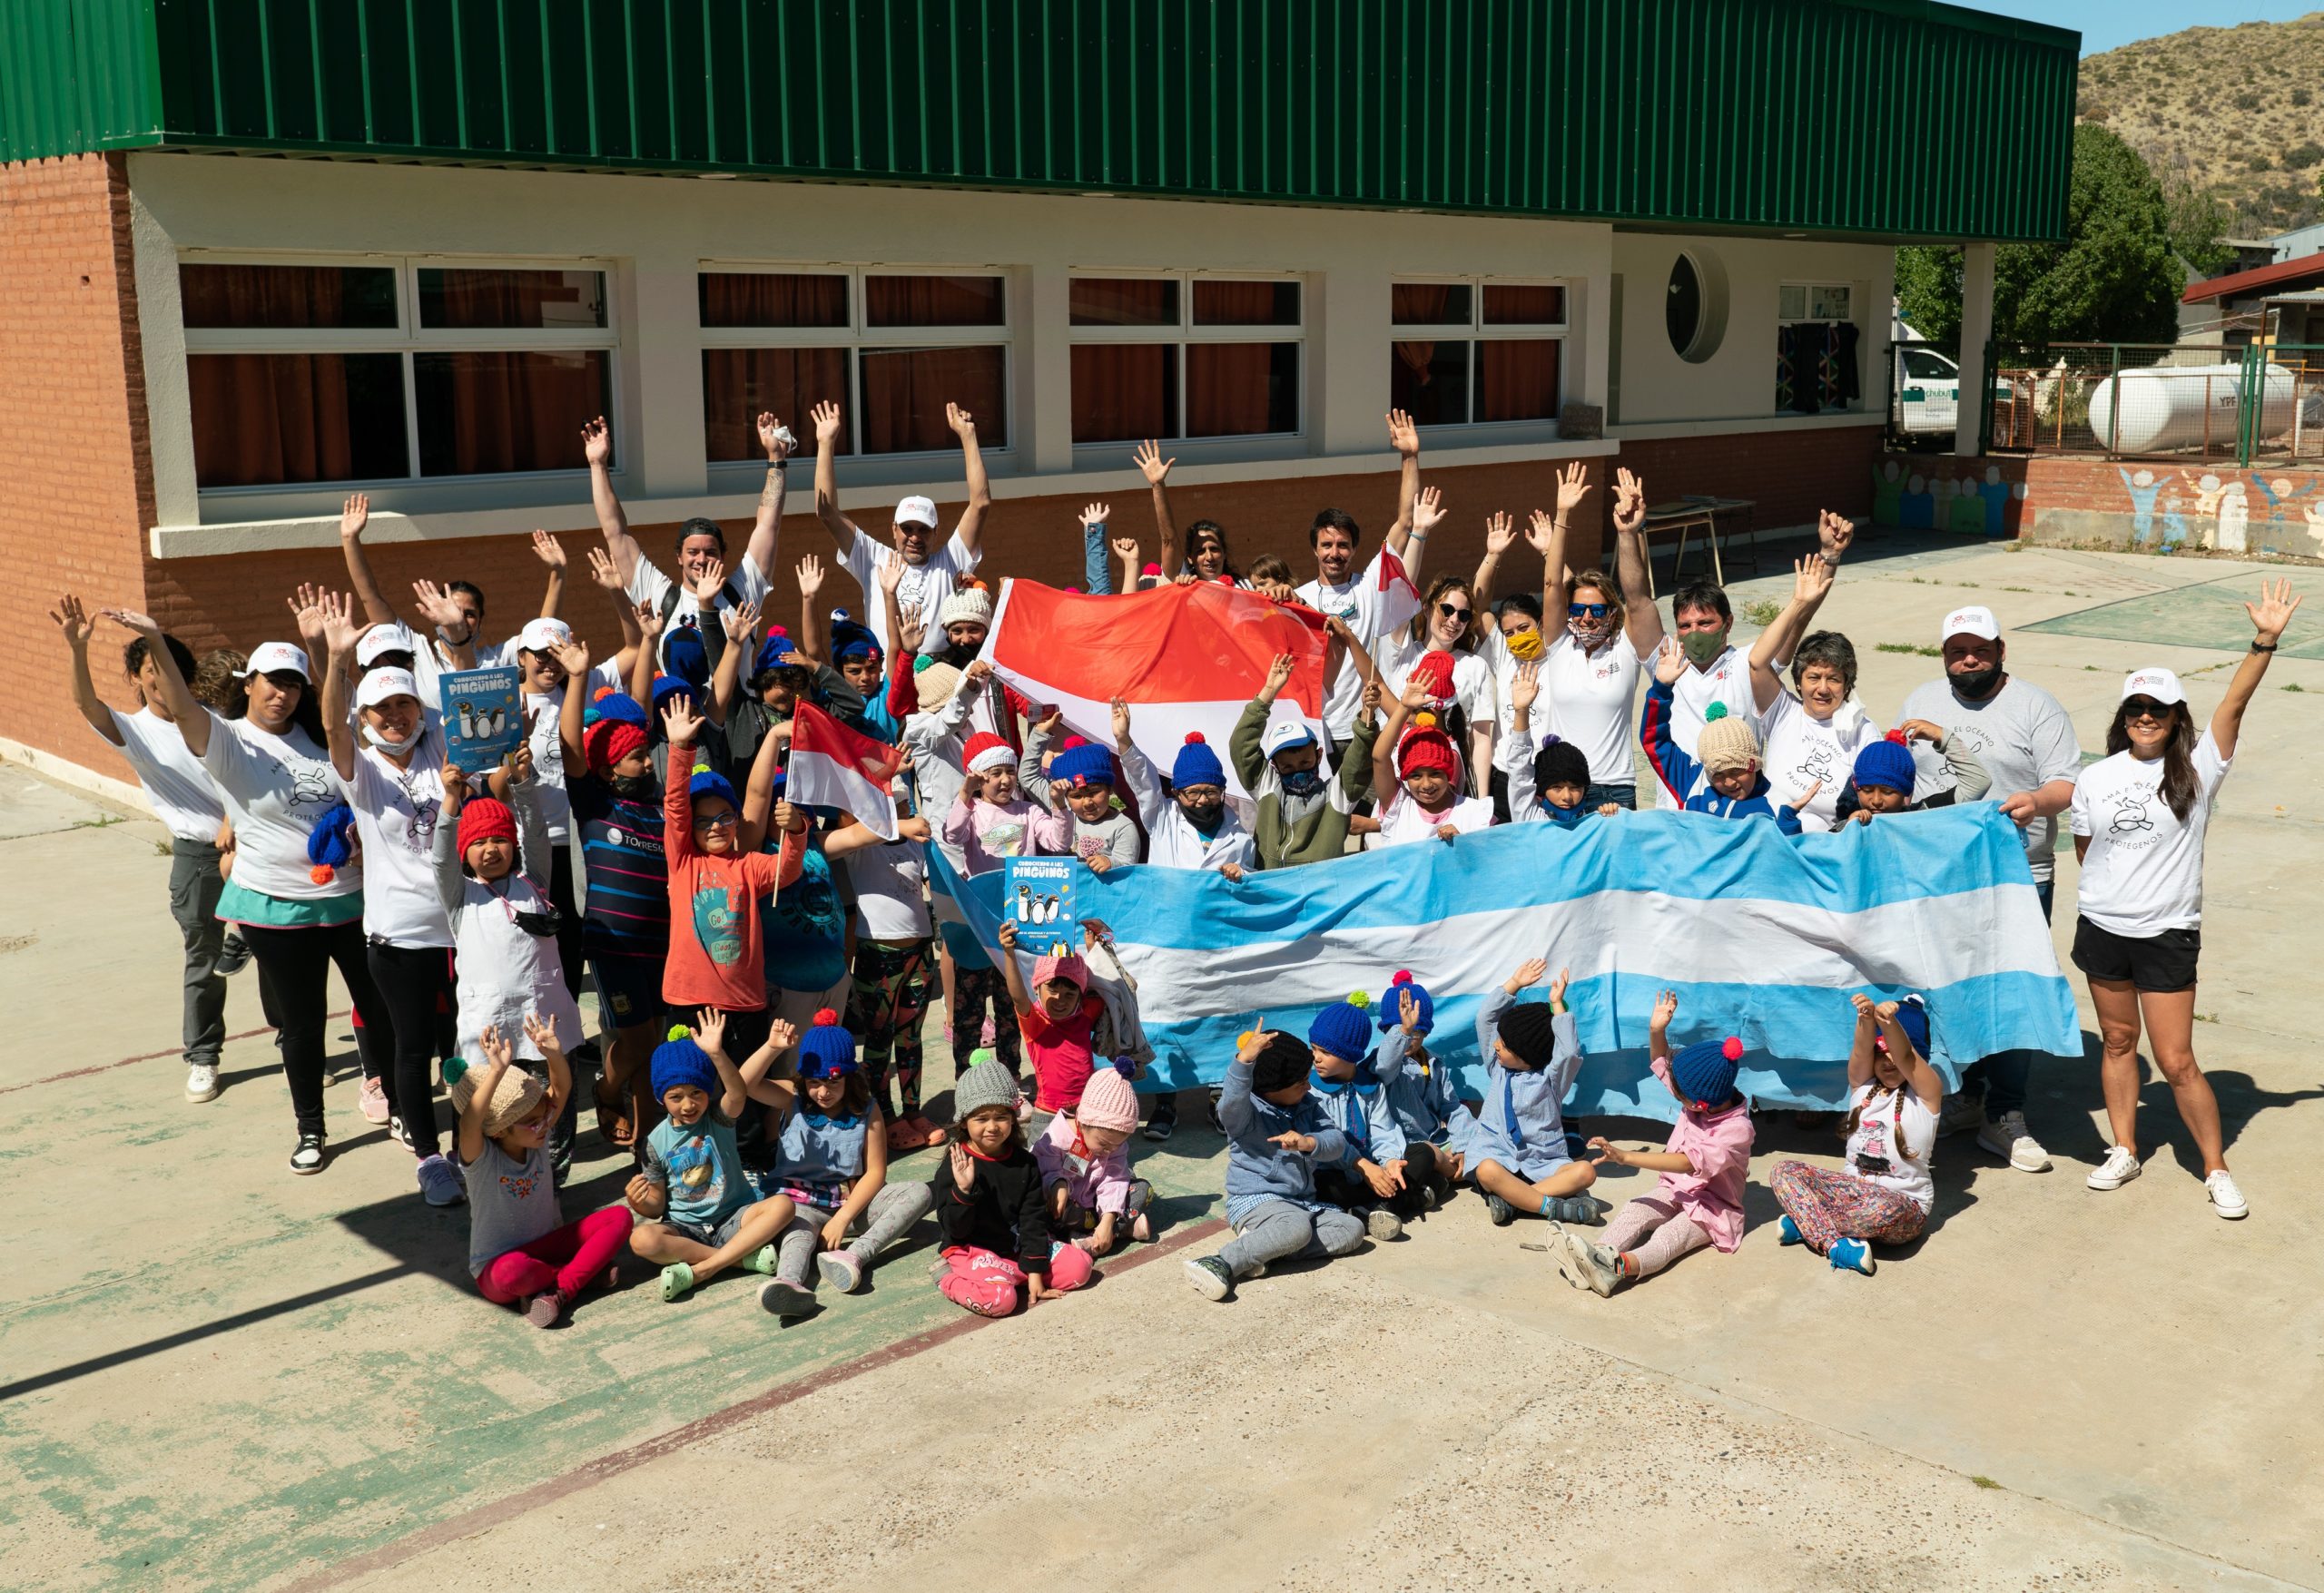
1694 309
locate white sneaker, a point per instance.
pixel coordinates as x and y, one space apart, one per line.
202 1081
2227 1200
439 1182
2006 1136
1959 1114
2118 1169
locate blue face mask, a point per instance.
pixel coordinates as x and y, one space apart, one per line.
1302 783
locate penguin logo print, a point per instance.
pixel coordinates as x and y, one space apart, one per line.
2131 817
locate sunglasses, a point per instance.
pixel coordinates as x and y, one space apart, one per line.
2140 708
1454 611
724 820
1585 611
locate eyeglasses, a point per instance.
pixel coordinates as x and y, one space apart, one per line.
2140 708
1454 611
1585 611
724 820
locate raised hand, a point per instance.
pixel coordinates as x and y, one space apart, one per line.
1121 722
604 571
1630 501
1428 511
1558 985
740 621
1573 486
891 570
597 443
649 618
1810 579
825 416
1124 547
144 624
812 575
2273 612
1921 730
353 515
774 438
1666 1008
575 656
1669 662
1526 686
542 1035
680 722
1529 972
1407 1011
1096 514
782 1034
714 577
306 611
74 621
911 629
1863 1005
1500 532
710 1028
1834 532
497 1052
1278 675
964 424
1254 1040
1886 1010
456 788
1151 463
340 633
549 550
435 604
964 1171
1415 692
1402 435
1539 531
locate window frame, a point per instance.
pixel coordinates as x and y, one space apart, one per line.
1810 287
1478 331
857 337
1187 332
406 340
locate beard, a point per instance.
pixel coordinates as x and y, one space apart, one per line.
1976 683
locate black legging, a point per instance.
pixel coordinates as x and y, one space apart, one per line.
293 977
412 980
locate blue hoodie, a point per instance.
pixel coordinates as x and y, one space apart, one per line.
1684 778
1257 1171
1520 1125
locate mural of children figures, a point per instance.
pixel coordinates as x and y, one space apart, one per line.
2143 489
2207 496
1888 493
2281 493
2001 518
2234 518
1917 511
1965 509
2314 515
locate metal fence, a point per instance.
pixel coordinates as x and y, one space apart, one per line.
2159 401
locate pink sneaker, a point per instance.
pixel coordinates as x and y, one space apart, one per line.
989 1032
373 1100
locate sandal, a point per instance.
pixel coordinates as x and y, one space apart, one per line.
615 1123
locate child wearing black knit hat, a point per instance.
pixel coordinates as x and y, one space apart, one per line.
1516 1146
1548 786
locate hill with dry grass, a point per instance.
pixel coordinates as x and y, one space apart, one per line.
2235 112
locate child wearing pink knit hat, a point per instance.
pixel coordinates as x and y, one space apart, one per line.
1084 1159
1058 1016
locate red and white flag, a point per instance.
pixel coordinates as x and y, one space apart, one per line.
1184 658
832 766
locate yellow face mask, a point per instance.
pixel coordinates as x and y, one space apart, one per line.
1524 645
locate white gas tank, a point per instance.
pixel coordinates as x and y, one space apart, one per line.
2167 406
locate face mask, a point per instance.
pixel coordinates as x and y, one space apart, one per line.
1702 646
634 787
1974 684
958 655
1523 645
1204 816
1303 782
393 748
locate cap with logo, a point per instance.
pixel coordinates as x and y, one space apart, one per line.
541 635
381 640
380 684
1972 620
268 657
916 510
2160 684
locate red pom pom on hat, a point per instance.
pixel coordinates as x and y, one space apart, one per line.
1403 977
1196 738
1732 1049
1070 742
1899 737
825 1018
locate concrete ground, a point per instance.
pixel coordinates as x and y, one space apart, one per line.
215 1374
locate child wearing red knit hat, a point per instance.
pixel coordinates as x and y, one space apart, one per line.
1699 1201
1416 774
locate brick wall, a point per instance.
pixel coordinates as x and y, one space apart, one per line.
2136 506
78 488
1788 475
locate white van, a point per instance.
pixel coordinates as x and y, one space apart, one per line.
1928 392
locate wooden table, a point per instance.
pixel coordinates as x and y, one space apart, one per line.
1686 516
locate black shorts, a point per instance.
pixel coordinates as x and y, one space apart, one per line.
629 990
2160 963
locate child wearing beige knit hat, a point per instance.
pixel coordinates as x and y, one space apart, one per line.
1722 777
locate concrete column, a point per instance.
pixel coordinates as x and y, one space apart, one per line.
1043 424
1348 310
662 448
1977 326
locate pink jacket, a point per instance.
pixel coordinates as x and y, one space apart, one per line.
1101 1184
1719 1145
986 833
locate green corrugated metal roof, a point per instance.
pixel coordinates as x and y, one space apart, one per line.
1884 118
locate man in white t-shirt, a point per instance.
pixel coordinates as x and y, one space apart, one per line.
189 807
932 573
1385 594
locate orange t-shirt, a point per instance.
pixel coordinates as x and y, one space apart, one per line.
715 958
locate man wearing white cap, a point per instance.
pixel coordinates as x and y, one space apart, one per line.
2026 743
932 573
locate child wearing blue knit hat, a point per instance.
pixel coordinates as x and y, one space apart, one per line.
701 1216
1515 1147
1882 1191
1421 1091
1367 1178
1700 1200
1079 780
1882 779
831 1163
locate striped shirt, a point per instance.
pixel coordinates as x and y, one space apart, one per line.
628 877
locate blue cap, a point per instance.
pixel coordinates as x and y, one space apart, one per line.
826 1050
684 656
1885 763
1085 765
666 686
678 1060
1705 1071
851 639
1912 1018
1341 1030
618 706
776 652
1197 764
707 782
1391 1007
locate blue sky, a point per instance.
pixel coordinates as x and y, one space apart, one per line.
2106 24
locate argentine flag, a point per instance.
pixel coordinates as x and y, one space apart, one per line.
1761 935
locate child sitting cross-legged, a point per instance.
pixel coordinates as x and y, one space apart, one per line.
1517 1151
1884 1193
1000 1246
521 1251
830 1161
1423 1094
1548 786
1699 1201
1084 1158
1369 1178
1723 778
700 1218
1276 1135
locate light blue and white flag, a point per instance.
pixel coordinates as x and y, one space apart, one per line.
1761 935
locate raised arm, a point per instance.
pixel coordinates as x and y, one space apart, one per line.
825 415
1097 575
353 515
1926 1082
340 633
1811 581
812 628
1383 750
74 622
1157 471
1500 531
193 719
597 447
970 530
550 552
766 529
2269 616
498 1054
1404 437
435 606
575 656
725 680
1642 622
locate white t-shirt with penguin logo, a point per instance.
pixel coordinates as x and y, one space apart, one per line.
2144 872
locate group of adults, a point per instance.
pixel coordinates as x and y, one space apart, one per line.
241 785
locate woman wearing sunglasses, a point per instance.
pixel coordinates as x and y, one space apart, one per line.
2139 817
1448 622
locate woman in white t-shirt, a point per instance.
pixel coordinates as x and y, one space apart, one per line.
1809 741
300 917
1883 1194
394 782
1448 622
2139 817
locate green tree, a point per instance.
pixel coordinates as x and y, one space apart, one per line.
2115 278
2197 228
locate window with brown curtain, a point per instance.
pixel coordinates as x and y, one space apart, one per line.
1429 381
485 413
469 299
1523 304
740 384
261 420
354 297
1517 378
1455 379
1125 391
1124 302
934 301
1240 389
905 391
773 299
1429 304
1246 304
1164 374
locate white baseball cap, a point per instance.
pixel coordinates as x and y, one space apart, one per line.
2158 683
543 634
382 639
1283 734
270 656
917 510
382 684
1970 622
